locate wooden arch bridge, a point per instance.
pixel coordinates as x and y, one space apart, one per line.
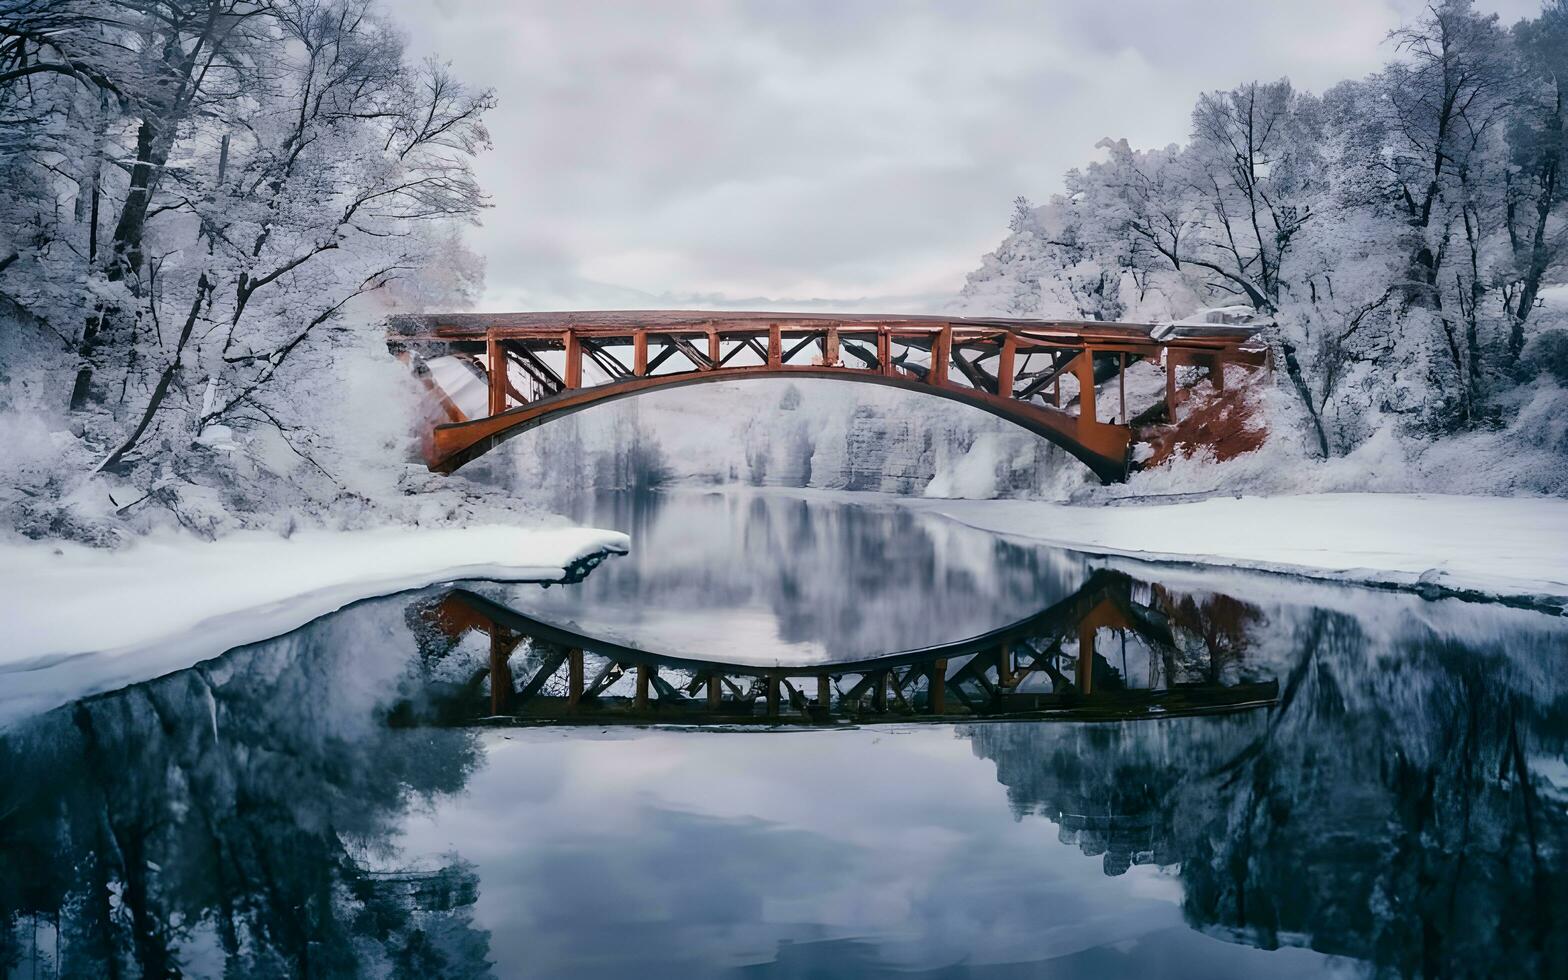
531 367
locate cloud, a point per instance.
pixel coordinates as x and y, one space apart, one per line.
833 150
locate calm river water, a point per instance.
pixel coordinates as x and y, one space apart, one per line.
1152 771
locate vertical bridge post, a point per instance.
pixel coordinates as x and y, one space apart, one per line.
495 373
937 689
500 671
1121 377
1084 369
640 700
941 350
640 352
574 687
574 359
1004 365
1085 674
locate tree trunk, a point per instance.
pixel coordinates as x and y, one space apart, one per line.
1539 259
161 389
125 256
1304 393
1472 311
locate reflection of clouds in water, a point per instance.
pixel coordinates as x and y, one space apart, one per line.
698 851
839 581
748 635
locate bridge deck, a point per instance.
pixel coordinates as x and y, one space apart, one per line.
533 365
478 326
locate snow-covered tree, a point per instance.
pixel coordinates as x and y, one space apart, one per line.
1399 229
197 191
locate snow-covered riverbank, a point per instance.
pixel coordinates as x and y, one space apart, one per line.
1511 548
80 620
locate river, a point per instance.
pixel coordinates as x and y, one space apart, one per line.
1134 770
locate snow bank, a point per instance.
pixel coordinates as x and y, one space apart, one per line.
1514 548
80 620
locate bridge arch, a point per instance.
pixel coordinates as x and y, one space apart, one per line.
987 364
458 443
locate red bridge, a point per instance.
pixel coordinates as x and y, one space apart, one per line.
531 366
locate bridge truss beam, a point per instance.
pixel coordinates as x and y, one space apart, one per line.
534 366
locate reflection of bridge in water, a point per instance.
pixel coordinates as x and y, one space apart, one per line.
1050 665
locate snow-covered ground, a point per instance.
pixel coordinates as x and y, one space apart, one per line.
1514 548
80 620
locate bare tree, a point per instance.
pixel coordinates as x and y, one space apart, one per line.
1244 167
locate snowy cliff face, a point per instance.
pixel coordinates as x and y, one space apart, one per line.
817 434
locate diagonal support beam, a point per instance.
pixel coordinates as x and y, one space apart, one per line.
762 352
698 359
978 376
663 355
1058 368
542 374
607 362
859 353
552 663
805 342
607 675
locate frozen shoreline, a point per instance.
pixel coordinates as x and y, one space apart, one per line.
1514 549
79 620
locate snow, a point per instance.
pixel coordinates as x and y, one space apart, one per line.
1218 314
80 620
1508 547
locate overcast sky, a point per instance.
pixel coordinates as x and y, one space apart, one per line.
664 153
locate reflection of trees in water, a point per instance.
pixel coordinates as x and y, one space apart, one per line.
1386 809
863 580
1222 629
230 819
